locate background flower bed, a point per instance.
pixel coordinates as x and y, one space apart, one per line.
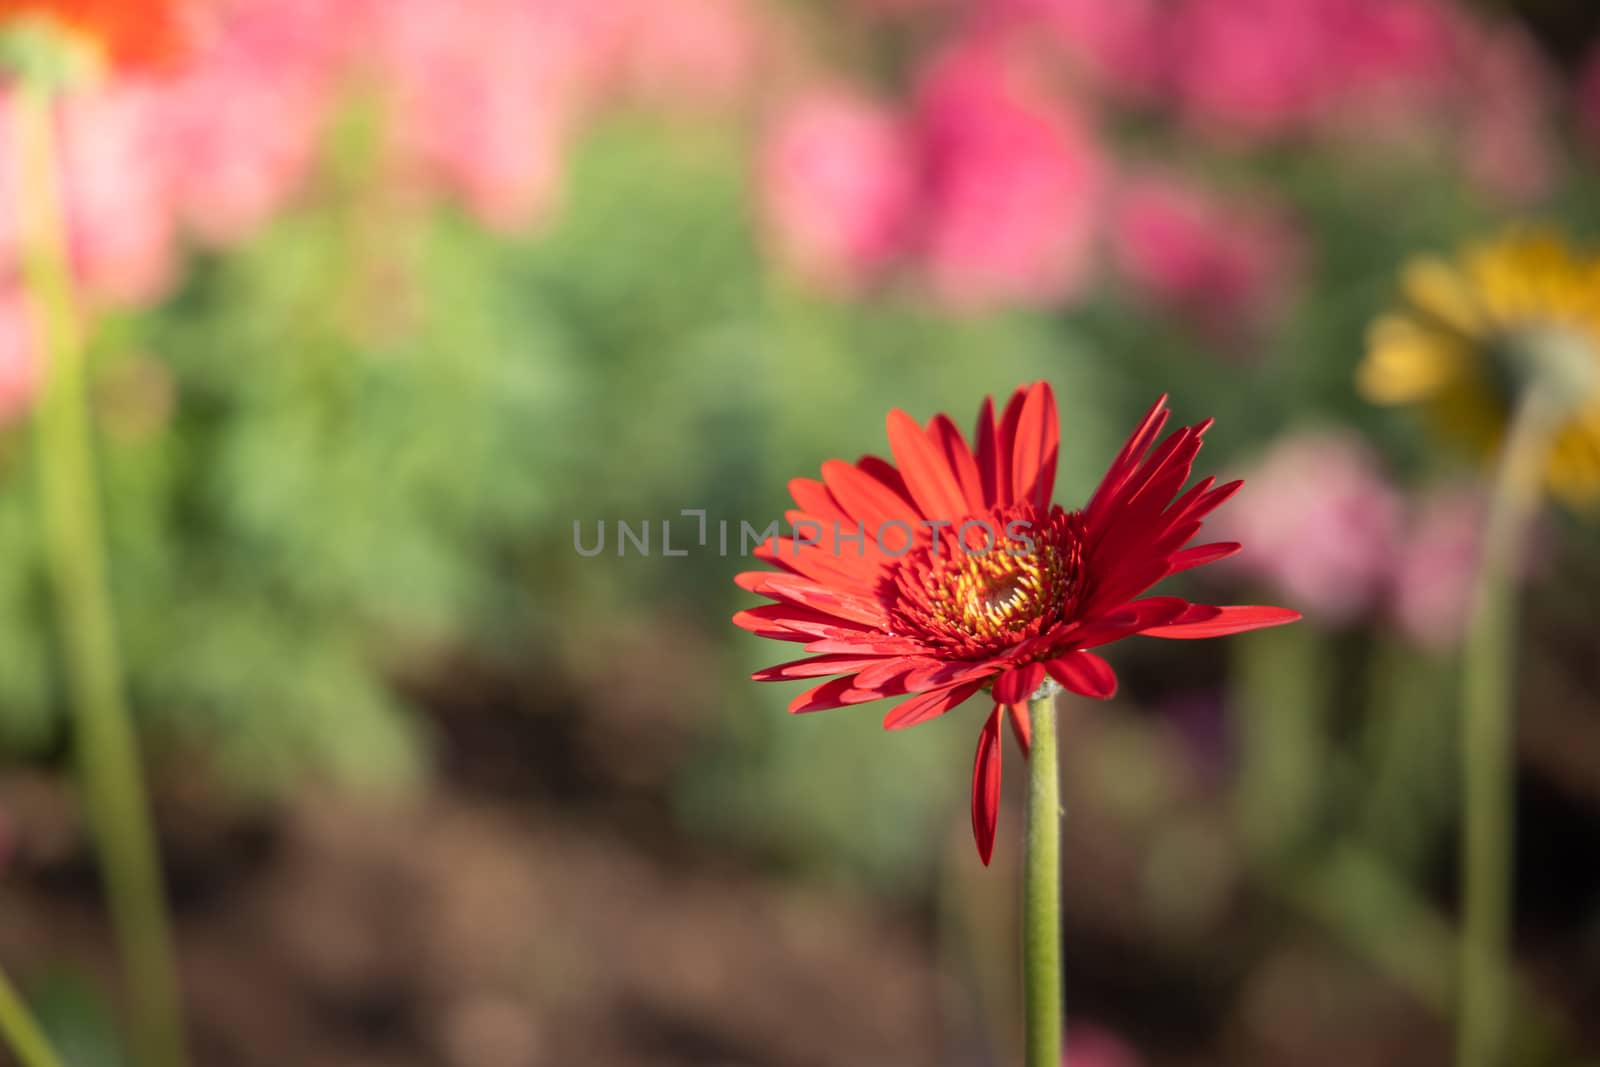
390 294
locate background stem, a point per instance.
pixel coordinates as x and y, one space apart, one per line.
21 1031
109 772
1041 893
1488 743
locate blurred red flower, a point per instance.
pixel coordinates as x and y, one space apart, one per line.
955 573
131 34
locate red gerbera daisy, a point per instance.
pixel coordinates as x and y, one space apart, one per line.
955 573
130 34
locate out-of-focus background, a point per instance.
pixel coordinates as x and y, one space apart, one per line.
387 295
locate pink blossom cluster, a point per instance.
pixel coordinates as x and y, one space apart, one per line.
994 187
1325 528
479 100
992 182
1391 70
987 181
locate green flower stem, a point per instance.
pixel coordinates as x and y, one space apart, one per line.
1041 892
1488 740
110 776
21 1031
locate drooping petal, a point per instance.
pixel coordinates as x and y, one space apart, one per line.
1206 620
1021 726
929 479
925 706
1084 673
986 786
1016 686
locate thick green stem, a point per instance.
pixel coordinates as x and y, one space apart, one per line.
1488 743
1041 893
110 775
22 1033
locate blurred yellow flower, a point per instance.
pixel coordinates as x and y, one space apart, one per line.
1472 334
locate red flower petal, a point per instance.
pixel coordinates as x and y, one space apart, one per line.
1005 437
804 592
815 667
1016 686
1084 673
1126 461
1200 555
1033 453
1133 617
865 643
933 486
865 498
986 442
1206 620
829 694
925 706
947 437
986 786
813 498
1021 727
786 622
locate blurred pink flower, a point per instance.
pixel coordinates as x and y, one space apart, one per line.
1013 182
242 120
19 365
1321 523
1434 568
1373 69
697 53
1092 1046
114 194
485 94
836 184
1252 66
1384 46
1504 100
1227 268
1120 48
1588 98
